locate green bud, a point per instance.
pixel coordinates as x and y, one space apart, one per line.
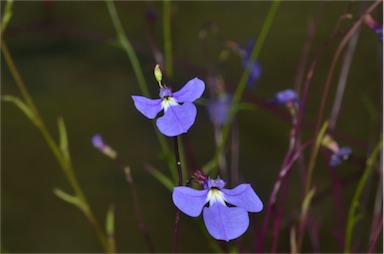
158 74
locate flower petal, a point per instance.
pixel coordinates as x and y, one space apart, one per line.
177 119
189 201
191 91
225 223
243 196
148 107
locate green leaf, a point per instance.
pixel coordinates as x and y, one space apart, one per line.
63 139
353 217
110 228
307 201
66 197
23 107
160 177
73 200
7 15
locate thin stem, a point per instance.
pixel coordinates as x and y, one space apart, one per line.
65 165
373 242
288 162
167 37
345 67
136 206
324 98
127 46
212 165
180 183
352 219
19 81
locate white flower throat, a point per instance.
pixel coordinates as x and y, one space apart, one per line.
215 195
167 102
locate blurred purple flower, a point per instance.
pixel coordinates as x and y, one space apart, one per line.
374 25
340 155
179 111
99 144
286 96
218 109
222 222
379 30
255 69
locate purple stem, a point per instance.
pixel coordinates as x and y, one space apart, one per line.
324 98
288 162
180 174
372 244
136 207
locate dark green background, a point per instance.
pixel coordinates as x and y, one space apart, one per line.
89 82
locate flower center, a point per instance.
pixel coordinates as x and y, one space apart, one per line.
167 102
215 195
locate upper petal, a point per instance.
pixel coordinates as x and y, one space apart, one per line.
189 201
148 107
191 91
177 119
243 196
225 223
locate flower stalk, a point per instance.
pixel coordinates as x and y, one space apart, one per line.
64 162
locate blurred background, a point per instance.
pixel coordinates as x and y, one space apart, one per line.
65 54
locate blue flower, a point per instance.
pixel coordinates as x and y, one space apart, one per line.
179 111
223 222
287 96
255 69
218 109
374 25
378 29
340 155
99 144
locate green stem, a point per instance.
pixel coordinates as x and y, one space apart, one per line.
256 51
167 35
64 164
211 167
352 219
127 46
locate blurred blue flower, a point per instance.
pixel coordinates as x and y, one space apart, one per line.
179 111
340 155
99 144
222 222
218 109
287 96
255 69
378 29
374 25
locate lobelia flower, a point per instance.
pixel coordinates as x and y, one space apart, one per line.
99 144
255 71
218 109
338 156
223 222
179 111
374 25
287 96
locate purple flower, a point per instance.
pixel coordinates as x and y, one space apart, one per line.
287 96
340 155
255 69
99 144
218 109
374 25
179 111
223 222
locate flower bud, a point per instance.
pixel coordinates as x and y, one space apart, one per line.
158 74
